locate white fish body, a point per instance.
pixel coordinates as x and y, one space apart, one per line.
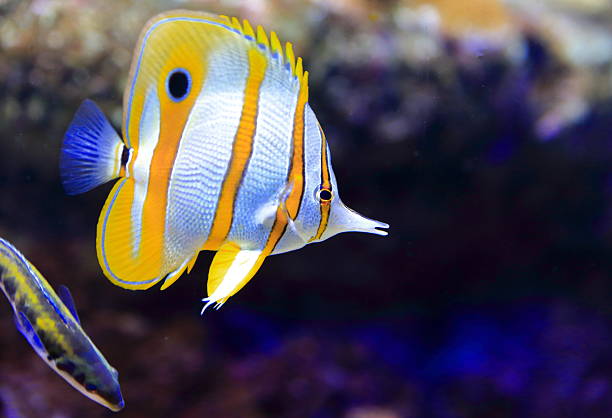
223 153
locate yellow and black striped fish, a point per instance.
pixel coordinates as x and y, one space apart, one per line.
220 151
52 328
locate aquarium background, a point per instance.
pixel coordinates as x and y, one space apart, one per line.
480 130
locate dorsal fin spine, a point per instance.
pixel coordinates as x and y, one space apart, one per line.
304 83
248 29
299 71
236 24
276 45
290 56
262 38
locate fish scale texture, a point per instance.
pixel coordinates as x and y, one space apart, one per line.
204 155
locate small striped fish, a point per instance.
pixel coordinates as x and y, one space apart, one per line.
52 328
220 151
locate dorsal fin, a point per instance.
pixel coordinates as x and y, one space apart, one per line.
66 297
272 45
258 37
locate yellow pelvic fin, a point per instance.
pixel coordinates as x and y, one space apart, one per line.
233 267
230 270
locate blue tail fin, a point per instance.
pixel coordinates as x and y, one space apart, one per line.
91 152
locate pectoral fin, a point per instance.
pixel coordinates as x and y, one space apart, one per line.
230 270
66 297
27 330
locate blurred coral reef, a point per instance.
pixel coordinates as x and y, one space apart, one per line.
480 130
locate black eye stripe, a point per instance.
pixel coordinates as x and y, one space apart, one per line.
178 84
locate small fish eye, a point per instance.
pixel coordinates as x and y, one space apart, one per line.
178 84
325 195
91 387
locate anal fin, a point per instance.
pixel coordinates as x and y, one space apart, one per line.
192 262
173 276
231 268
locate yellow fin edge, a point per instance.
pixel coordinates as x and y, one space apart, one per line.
259 36
173 277
271 44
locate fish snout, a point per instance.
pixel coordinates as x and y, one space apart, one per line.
344 219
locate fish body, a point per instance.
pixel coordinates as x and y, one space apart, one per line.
52 328
220 151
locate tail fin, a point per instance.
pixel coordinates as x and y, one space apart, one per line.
91 152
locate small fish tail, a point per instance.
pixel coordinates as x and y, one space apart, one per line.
92 151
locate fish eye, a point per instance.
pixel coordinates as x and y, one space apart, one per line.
324 194
178 84
91 387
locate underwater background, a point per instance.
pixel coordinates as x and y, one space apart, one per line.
480 130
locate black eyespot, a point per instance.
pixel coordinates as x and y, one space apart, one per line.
325 194
91 387
178 84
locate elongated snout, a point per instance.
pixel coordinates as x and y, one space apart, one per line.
344 219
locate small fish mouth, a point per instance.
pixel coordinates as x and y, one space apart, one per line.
119 406
379 229
115 406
